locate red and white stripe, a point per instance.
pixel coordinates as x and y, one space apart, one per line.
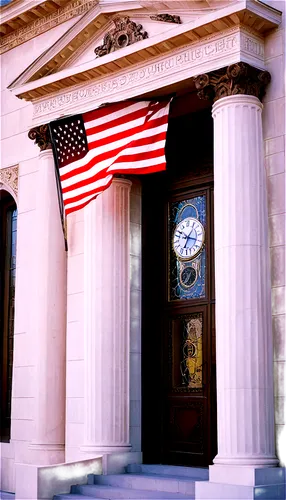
122 138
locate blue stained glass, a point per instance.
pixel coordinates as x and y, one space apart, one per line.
187 277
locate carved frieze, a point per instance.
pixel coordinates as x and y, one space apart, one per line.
39 26
9 177
166 18
239 78
220 49
41 136
125 33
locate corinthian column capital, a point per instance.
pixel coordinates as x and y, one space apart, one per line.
41 136
239 78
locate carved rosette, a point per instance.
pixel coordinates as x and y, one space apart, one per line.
239 78
9 178
125 33
41 136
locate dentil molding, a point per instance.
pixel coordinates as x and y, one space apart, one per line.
9 178
209 54
35 28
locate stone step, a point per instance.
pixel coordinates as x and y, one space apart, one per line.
154 482
116 493
198 473
69 496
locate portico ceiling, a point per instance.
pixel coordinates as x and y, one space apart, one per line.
20 13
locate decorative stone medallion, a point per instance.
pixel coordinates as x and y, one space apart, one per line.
9 177
125 33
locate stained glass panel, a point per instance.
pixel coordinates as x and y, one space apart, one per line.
188 270
192 351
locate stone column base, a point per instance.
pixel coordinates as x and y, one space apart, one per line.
94 450
115 463
243 483
47 454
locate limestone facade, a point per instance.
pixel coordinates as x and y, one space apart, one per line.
211 36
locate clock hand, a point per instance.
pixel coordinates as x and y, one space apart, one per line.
187 239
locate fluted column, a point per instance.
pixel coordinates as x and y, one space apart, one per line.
243 289
245 398
49 306
106 321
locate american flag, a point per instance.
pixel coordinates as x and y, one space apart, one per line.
123 138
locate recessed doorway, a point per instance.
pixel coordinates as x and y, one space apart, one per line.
178 306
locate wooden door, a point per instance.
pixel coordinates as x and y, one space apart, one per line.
178 350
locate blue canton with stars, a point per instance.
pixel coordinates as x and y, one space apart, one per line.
69 140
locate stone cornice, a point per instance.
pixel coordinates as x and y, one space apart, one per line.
43 24
239 78
47 69
211 53
16 8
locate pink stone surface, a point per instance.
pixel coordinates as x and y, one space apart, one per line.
16 119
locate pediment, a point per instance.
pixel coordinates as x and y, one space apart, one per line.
69 76
77 46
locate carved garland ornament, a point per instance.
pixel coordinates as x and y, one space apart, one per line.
166 18
125 33
41 136
239 78
9 177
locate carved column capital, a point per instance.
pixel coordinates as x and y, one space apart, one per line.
239 78
41 136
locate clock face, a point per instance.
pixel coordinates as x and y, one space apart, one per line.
188 238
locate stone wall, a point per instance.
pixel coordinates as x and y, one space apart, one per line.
274 135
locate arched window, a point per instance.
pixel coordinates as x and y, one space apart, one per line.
8 235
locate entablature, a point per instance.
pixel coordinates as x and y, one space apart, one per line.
227 36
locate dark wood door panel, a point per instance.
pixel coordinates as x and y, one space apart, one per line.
178 332
185 434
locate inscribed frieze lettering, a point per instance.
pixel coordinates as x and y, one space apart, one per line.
190 57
